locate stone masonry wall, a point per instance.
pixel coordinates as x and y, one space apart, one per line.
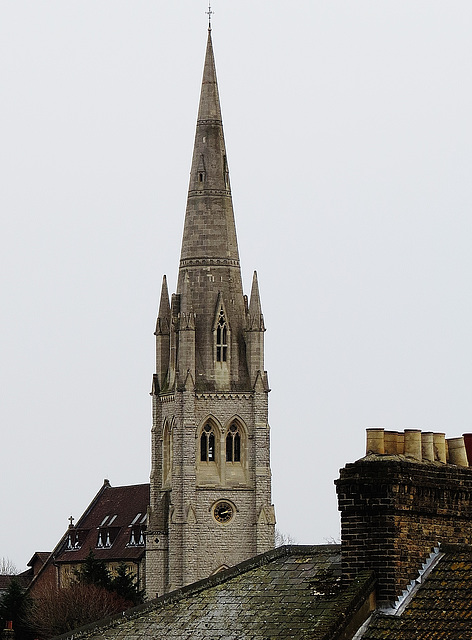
394 512
194 544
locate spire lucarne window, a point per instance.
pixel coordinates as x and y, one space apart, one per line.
221 338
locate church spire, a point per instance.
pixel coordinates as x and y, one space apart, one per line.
209 108
209 261
209 230
210 477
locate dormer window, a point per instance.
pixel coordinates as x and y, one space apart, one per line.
73 542
221 338
100 540
207 444
106 533
201 170
104 540
136 538
136 534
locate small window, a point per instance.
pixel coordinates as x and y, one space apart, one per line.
221 338
105 539
200 177
207 444
233 444
136 538
73 542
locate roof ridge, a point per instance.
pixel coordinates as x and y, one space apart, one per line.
129 486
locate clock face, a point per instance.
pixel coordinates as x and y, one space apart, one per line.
223 511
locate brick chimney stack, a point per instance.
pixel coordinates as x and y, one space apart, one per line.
397 507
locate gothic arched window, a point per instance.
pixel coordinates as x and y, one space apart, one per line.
233 444
221 338
207 444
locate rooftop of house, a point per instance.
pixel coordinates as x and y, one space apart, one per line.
441 608
112 526
289 592
296 592
5 580
39 556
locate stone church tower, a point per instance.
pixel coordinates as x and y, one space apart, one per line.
210 478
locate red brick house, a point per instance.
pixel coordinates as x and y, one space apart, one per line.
112 526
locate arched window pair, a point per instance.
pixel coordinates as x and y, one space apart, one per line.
208 444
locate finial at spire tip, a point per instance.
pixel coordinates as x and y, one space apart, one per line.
209 14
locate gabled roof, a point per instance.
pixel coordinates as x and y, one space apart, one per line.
41 556
112 515
289 592
441 609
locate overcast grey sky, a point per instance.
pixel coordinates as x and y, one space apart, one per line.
348 131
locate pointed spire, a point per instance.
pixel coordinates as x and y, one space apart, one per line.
209 258
209 230
163 317
256 319
209 108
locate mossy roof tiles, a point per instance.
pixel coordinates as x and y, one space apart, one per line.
291 592
440 610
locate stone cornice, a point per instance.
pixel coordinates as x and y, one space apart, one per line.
209 192
229 395
210 121
214 262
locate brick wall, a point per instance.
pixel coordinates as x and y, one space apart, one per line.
395 511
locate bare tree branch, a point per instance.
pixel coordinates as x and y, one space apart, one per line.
7 567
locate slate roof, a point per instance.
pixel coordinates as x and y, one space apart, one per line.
116 508
23 580
289 592
441 609
5 581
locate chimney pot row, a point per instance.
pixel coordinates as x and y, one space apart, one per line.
420 445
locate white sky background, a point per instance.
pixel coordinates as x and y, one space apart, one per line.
349 138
